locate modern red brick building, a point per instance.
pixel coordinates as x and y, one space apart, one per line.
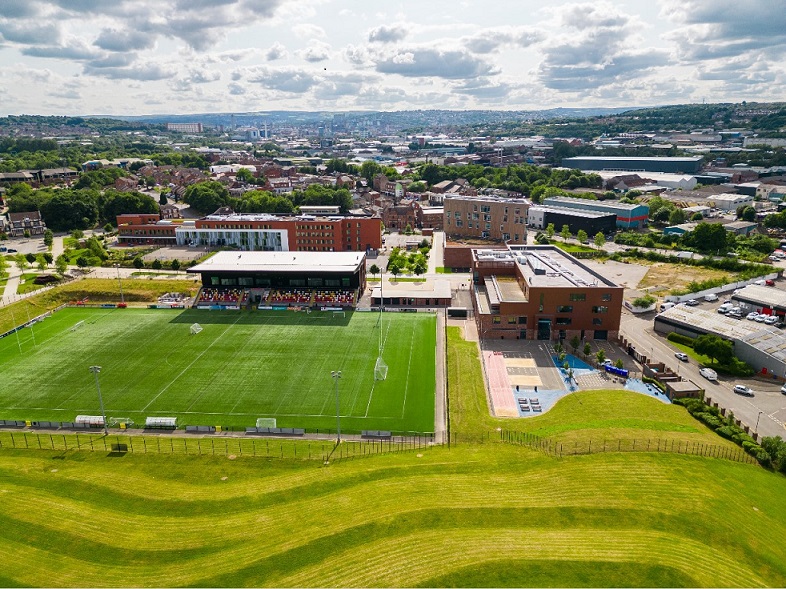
255 232
541 292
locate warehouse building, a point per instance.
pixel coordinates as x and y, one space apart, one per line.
539 217
672 165
629 216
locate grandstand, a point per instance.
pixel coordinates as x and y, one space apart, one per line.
281 279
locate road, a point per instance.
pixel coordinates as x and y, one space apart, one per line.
768 406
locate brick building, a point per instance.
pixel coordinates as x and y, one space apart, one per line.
254 232
486 217
31 222
541 292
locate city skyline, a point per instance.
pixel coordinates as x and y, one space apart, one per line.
135 57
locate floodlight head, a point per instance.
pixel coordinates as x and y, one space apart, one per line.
335 373
95 369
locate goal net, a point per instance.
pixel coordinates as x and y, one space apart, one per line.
380 369
196 328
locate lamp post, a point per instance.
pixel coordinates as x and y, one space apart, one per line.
336 374
95 370
756 429
120 283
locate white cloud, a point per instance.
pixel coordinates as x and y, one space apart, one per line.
315 52
387 34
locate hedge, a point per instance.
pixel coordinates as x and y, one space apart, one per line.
678 338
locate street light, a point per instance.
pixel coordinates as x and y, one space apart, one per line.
95 370
122 300
756 429
336 374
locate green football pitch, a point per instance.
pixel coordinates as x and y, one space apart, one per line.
242 366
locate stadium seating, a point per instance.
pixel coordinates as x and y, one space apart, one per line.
334 298
223 296
297 296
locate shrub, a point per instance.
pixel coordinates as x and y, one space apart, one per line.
726 431
678 338
763 457
644 301
708 419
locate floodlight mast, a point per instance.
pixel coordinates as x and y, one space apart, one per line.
95 370
336 374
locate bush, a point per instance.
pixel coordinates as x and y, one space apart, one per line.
764 459
678 338
735 368
644 301
708 419
726 431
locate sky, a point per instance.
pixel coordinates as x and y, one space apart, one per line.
136 57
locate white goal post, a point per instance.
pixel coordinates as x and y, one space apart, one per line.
196 328
77 325
380 369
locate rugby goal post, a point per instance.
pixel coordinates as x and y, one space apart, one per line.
380 369
77 325
195 328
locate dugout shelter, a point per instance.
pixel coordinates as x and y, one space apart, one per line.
263 274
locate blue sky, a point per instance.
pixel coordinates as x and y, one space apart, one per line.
184 56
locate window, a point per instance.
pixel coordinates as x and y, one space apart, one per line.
600 309
511 321
564 321
597 321
578 296
564 308
485 209
606 297
469 224
488 226
522 320
495 319
459 223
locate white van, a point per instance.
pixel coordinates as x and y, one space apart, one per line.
665 306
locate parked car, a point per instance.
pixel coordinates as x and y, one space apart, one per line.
783 390
692 302
725 308
711 298
11 251
771 320
681 356
760 318
665 306
751 316
769 282
741 389
709 373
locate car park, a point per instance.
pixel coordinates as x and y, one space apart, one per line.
709 373
741 389
681 356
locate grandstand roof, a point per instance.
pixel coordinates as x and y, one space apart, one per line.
281 262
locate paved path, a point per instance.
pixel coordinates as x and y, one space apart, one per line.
9 294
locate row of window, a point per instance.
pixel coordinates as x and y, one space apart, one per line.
582 296
562 321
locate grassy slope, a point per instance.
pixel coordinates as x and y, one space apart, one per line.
472 515
241 366
397 520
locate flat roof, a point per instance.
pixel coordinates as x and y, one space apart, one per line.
573 212
438 289
635 159
546 266
728 196
623 206
234 261
712 322
766 296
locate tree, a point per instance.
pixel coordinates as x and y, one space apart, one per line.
565 233
575 342
114 203
369 169
244 175
139 263
3 267
41 262
156 264
714 347
21 262
49 238
61 263
408 229
550 230
582 236
71 209
696 217
374 269
587 349
207 197
162 200
600 239
749 214
661 216
82 262
676 217
619 364
600 356
48 257
108 228
394 269
176 262
708 237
